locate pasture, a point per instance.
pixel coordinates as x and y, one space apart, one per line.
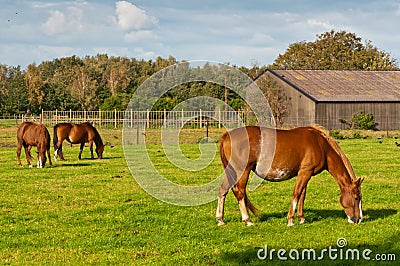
92 212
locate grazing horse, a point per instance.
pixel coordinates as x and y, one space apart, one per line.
74 134
301 152
30 134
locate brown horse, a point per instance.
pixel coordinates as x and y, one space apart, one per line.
301 152
30 134
74 134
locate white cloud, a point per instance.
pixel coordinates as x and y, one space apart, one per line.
140 35
61 22
130 17
319 24
398 10
55 23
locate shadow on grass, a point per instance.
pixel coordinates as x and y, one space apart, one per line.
313 215
71 164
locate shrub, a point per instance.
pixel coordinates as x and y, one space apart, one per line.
360 120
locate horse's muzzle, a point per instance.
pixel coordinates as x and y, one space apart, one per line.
355 220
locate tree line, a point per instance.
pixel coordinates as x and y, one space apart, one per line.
105 82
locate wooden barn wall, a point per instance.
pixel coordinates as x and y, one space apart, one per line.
385 114
301 108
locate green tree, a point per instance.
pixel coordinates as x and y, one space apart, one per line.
34 86
277 99
335 51
13 94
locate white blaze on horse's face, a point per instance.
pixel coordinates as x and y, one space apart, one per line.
352 204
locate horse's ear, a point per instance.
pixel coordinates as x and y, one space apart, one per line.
359 181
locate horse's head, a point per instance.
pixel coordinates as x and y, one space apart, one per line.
351 201
99 151
41 158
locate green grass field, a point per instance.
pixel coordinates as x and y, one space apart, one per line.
93 212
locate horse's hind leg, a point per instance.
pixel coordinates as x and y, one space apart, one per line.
226 184
19 153
240 193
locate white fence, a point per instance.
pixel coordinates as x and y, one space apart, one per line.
151 119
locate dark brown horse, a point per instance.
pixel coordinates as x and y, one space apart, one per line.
74 134
30 134
301 152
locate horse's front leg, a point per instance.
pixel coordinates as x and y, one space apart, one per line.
48 155
80 150
301 183
91 149
300 212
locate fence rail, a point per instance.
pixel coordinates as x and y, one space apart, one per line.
174 119
145 119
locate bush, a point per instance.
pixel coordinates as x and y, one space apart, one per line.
360 120
335 133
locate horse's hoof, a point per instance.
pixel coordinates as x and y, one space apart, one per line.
30 166
248 222
303 221
290 223
220 222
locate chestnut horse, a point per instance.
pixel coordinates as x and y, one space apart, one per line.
74 134
30 134
301 152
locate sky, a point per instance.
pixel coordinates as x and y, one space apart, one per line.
241 33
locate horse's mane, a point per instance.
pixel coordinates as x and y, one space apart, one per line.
338 150
97 135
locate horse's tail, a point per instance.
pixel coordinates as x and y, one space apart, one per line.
222 154
55 136
250 205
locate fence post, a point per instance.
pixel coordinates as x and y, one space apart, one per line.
165 117
115 118
182 118
238 116
70 115
131 118
99 117
201 120
148 119
219 117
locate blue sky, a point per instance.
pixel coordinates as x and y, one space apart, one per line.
235 32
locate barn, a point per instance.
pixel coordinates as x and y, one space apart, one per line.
325 96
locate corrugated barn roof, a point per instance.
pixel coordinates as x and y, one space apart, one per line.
344 86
